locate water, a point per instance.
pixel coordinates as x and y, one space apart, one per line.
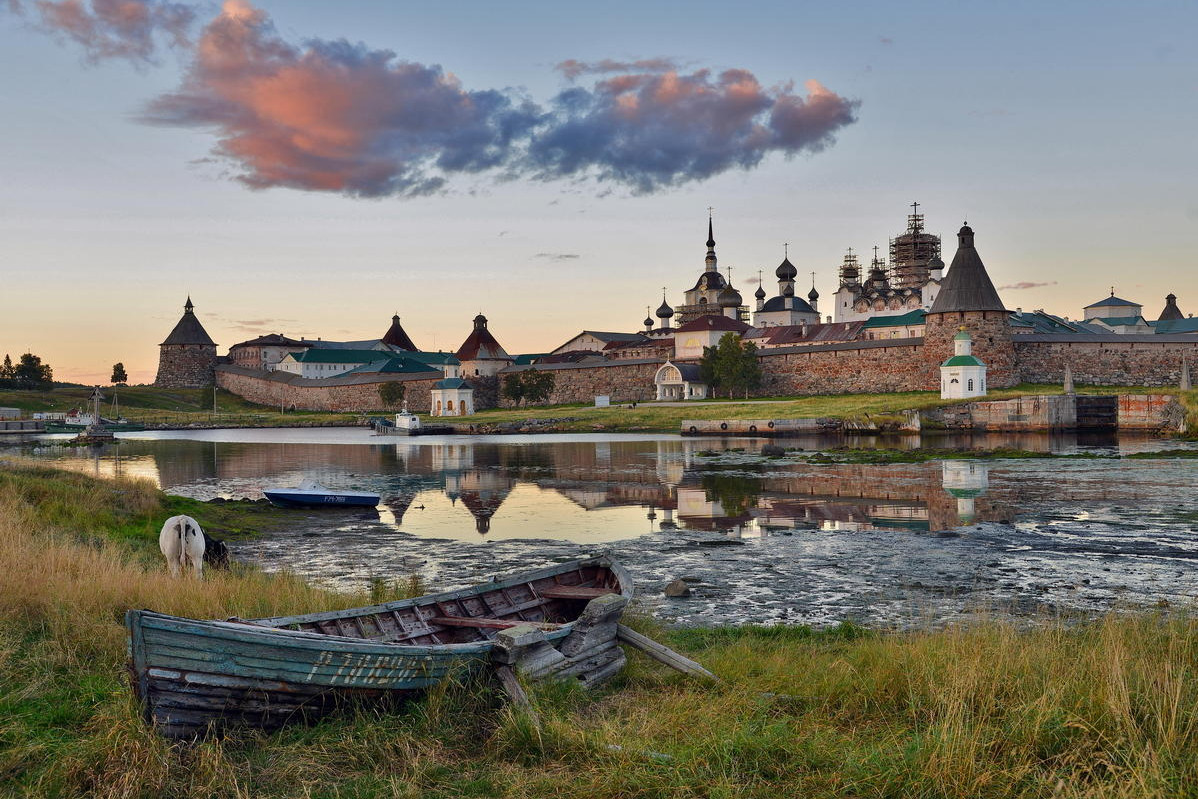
759 540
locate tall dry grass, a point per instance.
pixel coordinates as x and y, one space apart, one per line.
1101 708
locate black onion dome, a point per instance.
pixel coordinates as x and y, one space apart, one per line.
648 321
664 311
813 294
760 293
729 298
786 270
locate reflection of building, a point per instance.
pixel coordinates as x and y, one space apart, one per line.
965 481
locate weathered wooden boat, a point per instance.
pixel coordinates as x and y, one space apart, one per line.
194 677
312 494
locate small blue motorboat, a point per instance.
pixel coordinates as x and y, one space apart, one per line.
312 494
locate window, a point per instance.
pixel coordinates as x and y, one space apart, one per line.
449 405
970 385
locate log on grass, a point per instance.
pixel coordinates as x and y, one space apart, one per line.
663 654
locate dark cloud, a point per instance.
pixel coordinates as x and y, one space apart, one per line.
557 256
650 131
124 29
572 69
1026 285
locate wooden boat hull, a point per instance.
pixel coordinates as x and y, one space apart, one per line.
194 676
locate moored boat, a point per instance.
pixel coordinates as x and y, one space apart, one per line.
311 494
194 676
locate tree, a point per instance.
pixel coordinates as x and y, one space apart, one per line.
537 385
731 364
391 393
513 387
6 372
31 373
528 386
119 378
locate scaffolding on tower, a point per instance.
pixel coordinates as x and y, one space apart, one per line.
911 251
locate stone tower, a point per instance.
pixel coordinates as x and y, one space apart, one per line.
968 301
186 359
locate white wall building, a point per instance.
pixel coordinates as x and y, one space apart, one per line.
963 375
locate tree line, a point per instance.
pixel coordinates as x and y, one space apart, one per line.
27 373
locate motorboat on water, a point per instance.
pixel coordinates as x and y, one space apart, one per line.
311 494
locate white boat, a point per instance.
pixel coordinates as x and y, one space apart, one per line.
311 494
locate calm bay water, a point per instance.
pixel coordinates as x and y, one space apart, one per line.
760 540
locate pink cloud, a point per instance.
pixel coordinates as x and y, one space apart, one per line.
128 29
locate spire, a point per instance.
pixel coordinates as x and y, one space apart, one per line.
711 259
188 307
967 286
1171 310
396 336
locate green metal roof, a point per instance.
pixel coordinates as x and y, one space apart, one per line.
962 336
1176 326
909 318
441 358
451 382
963 360
527 360
315 355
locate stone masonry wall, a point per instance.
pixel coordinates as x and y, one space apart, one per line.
623 382
1105 363
185 365
273 391
844 368
991 334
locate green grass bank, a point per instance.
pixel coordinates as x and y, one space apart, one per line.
1101 708
187 407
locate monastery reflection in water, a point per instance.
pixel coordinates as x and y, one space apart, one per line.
578 490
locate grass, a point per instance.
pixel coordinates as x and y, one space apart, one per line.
1101 708
651 417
169 407
183 407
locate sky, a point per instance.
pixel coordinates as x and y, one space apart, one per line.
313 168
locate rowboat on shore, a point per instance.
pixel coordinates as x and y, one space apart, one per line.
194 677
311 494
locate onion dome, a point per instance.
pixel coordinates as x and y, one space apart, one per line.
813 294
648 319
786 270
664 311
936 263
760 293
729 298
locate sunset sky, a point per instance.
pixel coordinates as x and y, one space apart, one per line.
312 168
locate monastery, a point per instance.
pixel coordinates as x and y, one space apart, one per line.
890 328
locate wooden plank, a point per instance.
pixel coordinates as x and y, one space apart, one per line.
496 624
574 592
663 654
515 692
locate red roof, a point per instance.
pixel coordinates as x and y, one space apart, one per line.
396 336
714 323
481 345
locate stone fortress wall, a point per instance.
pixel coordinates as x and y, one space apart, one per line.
186 366
277 389
861 367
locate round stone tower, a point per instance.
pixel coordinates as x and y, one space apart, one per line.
968 301
187 358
